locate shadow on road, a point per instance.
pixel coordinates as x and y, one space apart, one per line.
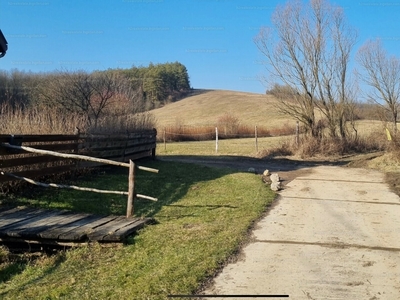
243 163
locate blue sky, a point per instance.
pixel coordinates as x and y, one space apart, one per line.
212 38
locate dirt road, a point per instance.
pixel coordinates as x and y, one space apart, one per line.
333 234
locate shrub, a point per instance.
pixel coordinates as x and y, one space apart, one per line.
228 124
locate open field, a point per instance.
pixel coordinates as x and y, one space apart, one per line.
204 108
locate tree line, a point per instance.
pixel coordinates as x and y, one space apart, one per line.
98 93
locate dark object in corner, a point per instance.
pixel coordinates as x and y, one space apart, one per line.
3 45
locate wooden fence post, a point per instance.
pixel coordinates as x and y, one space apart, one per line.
297 133
131 189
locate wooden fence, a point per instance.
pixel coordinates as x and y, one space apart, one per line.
33 165
69 149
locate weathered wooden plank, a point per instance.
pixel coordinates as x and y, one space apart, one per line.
70 223
81 229
39 172
122 233
110 145
139 142
13 230
7 210
5 138
137 134
106 153
52 226
109 228
16 215
65 147
32 230
140 148
135 156
24 161
120 156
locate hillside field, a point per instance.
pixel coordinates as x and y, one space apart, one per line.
205 107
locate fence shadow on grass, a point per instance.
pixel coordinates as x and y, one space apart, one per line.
172 184
177 175
169 185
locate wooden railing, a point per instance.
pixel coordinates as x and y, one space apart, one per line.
18 157
33 165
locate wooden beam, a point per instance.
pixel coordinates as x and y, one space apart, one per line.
131 189
76 156
66 155
62 186
146 197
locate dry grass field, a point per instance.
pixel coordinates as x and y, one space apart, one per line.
205 107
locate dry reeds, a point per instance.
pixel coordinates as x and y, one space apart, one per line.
46 120
37 120
181 133
328 147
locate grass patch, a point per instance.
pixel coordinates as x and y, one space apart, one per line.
203 216
243 147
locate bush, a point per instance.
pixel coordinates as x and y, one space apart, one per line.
313 147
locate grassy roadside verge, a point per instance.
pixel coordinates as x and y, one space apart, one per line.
203 215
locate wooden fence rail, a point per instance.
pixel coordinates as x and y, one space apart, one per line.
119 148
28 161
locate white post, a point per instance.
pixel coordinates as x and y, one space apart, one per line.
256 135
165 143
216 139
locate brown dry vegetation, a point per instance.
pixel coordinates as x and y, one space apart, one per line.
206 107
235 114
46 120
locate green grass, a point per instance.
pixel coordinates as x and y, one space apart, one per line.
239 147
203 215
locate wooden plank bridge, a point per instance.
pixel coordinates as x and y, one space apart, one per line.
64 228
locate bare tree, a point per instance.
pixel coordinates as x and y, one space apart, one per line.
382 74
88 94
308 49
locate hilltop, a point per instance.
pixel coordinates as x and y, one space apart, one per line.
205 107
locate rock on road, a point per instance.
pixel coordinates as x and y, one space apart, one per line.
333 234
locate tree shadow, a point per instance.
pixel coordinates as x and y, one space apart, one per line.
173 182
